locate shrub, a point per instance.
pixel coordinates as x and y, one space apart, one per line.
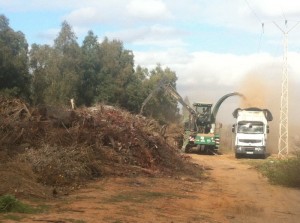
282 172
9 203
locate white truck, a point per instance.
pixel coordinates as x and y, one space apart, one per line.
251 130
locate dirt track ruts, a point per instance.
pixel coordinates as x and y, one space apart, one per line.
233 192
249 196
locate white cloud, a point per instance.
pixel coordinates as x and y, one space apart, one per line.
155 35
148 9
35 5
234 15
211 74
83 16
246 16
49 35
172 58
276 8
118 12
220 69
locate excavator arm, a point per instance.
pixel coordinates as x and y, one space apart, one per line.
168 88
158 87
175 95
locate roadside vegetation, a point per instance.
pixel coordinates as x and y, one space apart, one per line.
283 172
8 203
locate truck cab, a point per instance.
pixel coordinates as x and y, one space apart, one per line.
251 132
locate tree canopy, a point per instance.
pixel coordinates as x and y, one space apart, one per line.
14 69
95 72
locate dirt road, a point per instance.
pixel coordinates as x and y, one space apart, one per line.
250 197
233 192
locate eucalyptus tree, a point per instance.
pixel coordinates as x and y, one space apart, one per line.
162 105
14 72
116 71
66 67
42 67
91 67
135 91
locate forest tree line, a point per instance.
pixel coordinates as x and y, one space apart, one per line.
93 72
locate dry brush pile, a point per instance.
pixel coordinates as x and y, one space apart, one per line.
47 146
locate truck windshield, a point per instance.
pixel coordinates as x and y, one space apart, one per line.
250 127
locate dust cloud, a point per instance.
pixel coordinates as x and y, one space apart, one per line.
262 89
254 90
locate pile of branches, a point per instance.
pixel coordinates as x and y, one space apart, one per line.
68 147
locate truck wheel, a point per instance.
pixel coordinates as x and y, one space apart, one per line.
238 156
263 156
187 149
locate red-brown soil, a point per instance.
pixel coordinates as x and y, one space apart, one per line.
232 191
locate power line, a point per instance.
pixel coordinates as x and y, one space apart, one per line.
283 14
260 21
261 35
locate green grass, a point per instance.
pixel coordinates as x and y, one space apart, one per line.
8 203
282 172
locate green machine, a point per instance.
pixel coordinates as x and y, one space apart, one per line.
201 132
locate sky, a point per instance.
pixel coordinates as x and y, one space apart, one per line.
214 46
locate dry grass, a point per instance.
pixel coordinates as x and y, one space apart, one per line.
19 179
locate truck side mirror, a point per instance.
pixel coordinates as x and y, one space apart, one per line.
233 128
268 129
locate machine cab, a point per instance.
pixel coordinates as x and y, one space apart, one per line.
203 110
203 116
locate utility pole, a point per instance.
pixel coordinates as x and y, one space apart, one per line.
283 144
